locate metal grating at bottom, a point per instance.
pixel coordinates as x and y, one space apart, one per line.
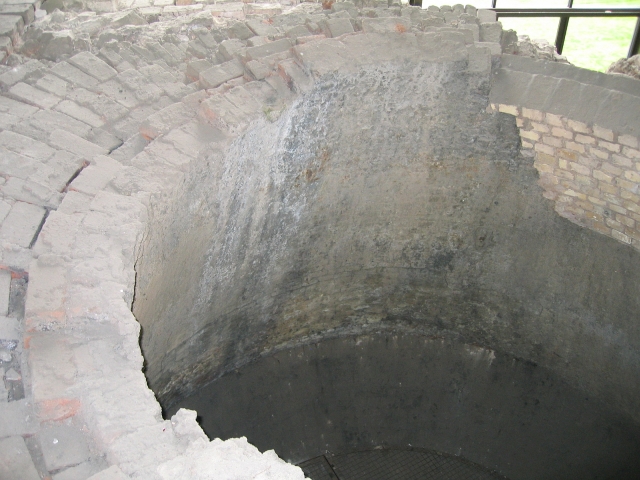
395 464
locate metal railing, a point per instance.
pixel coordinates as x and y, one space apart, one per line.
566 13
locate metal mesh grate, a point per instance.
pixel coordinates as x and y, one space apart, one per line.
391 464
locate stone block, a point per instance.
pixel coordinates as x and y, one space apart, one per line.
479 59
258 69
74 75
261 28
165 120
63 446
295 77
195 67
15 460
271 48
473 28
31 192
20 72
491 32
21 224
96 176
230 48
16 108
486 16
24 10
334 27
11 26
26 146
50 120
52 84
219 74
92 65
34 96
80 113
298 31
72 143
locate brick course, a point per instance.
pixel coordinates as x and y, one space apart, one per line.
592 173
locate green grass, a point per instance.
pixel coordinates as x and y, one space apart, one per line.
593 43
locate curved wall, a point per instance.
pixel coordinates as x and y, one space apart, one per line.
490 264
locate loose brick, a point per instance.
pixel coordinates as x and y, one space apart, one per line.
510 109
603 133
527 145
520 122
534 115
628 140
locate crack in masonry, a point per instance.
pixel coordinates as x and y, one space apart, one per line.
84 165
39 229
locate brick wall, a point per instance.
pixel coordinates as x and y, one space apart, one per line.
592 173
